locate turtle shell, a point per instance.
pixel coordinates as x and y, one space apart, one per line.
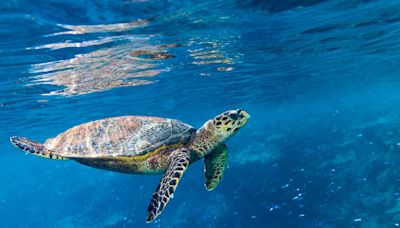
120 136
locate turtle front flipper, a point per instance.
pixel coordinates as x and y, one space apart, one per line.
35 148
214 166
178 162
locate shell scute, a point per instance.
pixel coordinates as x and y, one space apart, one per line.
120 136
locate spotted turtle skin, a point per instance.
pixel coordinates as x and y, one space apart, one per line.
145 145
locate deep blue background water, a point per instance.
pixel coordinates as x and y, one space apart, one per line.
320 79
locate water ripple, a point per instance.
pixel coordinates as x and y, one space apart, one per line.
128 62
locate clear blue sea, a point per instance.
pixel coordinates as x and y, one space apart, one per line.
321 80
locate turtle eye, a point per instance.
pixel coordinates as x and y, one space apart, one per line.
234 115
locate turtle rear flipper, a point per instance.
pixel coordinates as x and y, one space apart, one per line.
35 148
178 162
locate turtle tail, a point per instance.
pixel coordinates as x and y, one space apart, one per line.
35 148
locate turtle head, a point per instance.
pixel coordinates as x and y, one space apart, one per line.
217 130
228 123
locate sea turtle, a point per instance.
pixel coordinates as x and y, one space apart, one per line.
145 145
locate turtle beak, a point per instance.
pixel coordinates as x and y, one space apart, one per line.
245 117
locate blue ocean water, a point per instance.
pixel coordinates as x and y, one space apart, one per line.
320 79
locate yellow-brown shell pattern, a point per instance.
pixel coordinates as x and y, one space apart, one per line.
120 136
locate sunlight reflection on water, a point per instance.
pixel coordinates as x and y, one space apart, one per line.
126 64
